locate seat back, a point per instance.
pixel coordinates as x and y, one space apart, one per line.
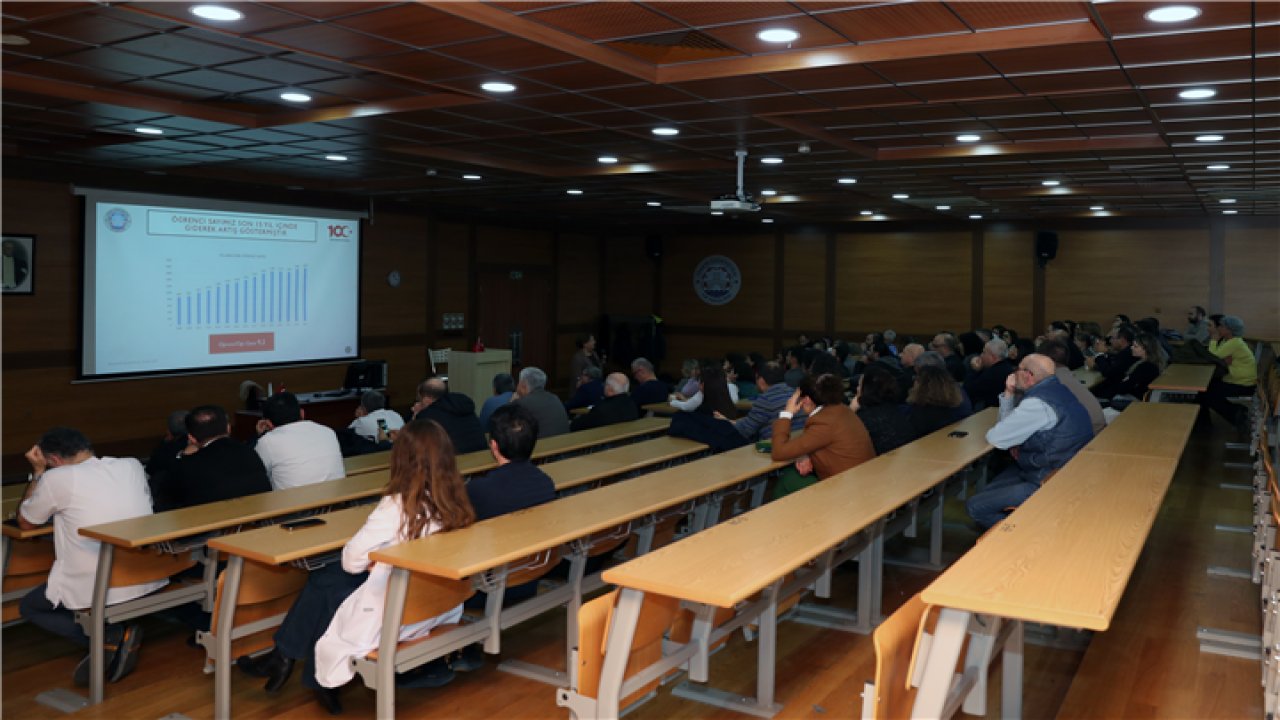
606 541
532 567
29 566
656 615
892 695
265 591
135 567
430 596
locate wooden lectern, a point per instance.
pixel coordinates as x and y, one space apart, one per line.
471 373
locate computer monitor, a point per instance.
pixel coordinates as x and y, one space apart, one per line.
366 374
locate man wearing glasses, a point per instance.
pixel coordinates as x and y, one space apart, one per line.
1043 425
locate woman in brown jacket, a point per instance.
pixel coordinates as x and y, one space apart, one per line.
834 439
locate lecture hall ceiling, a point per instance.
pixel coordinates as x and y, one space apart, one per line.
1085 94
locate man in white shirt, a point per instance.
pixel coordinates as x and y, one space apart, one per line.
372 409
76 489
294 450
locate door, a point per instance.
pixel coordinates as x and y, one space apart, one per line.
515 312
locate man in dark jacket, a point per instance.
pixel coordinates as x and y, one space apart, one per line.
617 406
215 466
531 392
455 412
649 389
990 370
1114 365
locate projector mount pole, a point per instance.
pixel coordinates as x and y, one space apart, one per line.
741 154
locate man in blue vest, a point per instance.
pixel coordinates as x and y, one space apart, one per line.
1043 425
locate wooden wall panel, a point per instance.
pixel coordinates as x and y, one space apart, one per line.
804 283
699 346
752 308
512 246
395 242
915 283
578 289
1008 264
1099 273
452 276
630 272
48 319
1252 287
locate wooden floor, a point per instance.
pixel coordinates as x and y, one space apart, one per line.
1147 666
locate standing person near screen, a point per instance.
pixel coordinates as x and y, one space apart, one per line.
296 451
584 357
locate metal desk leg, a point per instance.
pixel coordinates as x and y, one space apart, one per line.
940 664
1011 681
210 578
622 631
767 651
226 617
871 580
6 547
392 614
97 630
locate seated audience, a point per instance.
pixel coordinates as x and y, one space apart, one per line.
744 376
1020 348
908 360
793 356
1063 329
295 450
531 392
1138 378
1197 325
372 409
990 369
934 401
74 488
616 406
455 412
878 403
1115 362
933 359
589 390
1045 423
1151 326
1241 379
757 424
167 453
218 467
719 381
890 340
503 388
1056 350
948 346
833 441
688 385
338 615
648 390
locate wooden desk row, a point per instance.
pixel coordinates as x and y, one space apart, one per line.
1181 379
666 409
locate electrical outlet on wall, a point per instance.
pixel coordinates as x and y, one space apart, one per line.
453 321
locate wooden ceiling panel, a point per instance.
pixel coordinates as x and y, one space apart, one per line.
281 71
1095 81
1009 108
739 87
579 76
1102 101
813 34
1189 47
956 67
331 41
365 89
563 104
159 87
702 14
839 76
621 119
93 28
257 17
506 53
991 15
42 46
327 10
1193 73
548 124
55 70
774 105
605 20
1050 58
29 11
124 63
417 26
887 22
642 96
1054 134
1127 18
218 81
924 114
964 90
176 47
867 97
424 66
693 112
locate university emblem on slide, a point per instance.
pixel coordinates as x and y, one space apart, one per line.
118 219
717 280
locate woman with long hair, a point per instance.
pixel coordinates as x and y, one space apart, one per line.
338 615
878 404
934 400
1138 378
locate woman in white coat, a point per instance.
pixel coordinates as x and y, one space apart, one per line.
338 615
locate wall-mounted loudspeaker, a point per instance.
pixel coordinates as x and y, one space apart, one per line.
1046 247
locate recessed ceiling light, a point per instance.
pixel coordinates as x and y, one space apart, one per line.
768 193
1228 201
1197 93
654 203
879 217
968 138
1229 212
10 39
771 160
148 131
766 220
1208 138
1050 183
777 35
717 212
900 196
573 192
295 97
216 12
1173 13
866 212
1218 167
336 158
471 177
497 87
975 217
847 181
606 160
944 207
665 131
1095 208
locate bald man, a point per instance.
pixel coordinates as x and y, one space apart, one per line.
617 406
1043 425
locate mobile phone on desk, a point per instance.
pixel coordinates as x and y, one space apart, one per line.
958 434
303 523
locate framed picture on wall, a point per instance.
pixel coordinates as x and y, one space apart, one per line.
18 264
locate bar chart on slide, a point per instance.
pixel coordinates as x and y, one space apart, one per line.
272 296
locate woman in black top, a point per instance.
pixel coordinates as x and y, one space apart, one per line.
879 407
715 393
1137 380
934 400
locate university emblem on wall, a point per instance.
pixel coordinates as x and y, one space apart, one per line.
717 280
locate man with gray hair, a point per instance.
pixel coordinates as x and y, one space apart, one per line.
649 389
531 393
990 369
590 388
374 422
891 339
616 406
